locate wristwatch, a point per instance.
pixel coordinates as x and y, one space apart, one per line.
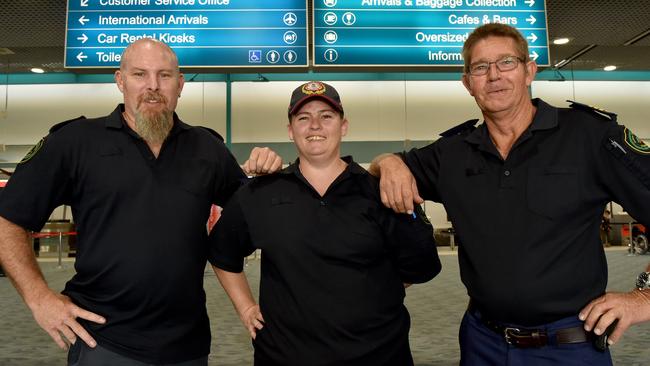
643 280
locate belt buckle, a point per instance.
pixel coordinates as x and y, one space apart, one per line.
509 334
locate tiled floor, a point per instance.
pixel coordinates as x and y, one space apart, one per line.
436 309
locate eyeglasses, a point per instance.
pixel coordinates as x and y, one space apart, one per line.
504 64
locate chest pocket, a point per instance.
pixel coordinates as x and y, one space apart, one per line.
98 178
196 176
553 191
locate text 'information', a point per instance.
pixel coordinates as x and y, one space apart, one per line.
417 32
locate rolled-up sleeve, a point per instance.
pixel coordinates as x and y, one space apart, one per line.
41 182
412 245
624 167
230 242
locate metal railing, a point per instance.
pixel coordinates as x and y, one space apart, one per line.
60 235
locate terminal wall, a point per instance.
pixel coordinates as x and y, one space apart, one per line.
384 115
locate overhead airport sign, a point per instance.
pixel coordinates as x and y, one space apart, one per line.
417 32
204 33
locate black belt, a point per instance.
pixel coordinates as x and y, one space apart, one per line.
532 338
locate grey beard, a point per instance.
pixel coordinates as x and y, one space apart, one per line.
154 127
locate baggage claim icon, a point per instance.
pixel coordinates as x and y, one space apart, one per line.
330 36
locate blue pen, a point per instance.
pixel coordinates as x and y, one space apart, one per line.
413 214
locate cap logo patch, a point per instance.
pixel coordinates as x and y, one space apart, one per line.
33 151
313 87
636 144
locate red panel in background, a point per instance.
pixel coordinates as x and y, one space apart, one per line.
215 214
625 229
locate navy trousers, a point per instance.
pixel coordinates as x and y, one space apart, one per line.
481 346
82 355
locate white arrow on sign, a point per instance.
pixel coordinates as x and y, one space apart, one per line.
83 38
84 3
530 3
83 20
532 38
81 57
531 19
534 56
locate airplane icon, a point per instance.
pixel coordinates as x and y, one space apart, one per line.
289 19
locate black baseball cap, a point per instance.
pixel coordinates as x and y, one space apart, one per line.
311 90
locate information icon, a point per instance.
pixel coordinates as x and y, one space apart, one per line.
331 55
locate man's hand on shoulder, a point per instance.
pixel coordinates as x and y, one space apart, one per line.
262 160
396 183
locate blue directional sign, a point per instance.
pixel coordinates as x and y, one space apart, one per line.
203 33
417 32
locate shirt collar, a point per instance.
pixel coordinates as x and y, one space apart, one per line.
545 118
352 168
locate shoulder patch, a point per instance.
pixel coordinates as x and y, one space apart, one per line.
58 126
465 126
213 132
594 110
636 144
33 151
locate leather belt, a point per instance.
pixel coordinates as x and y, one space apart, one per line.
534 338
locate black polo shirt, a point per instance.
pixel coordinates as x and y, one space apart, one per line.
141 223
331 289
530 251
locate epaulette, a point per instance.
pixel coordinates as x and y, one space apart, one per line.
593 110
58 126
465 126
213 132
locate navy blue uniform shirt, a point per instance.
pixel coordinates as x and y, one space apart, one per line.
530 250
333 267
141 224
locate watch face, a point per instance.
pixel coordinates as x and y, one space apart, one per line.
643 280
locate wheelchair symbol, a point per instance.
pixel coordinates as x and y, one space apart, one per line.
255 56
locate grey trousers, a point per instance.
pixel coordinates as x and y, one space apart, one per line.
82 355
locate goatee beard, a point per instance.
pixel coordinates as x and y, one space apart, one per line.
154 126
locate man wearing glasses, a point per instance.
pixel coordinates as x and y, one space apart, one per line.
525 191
